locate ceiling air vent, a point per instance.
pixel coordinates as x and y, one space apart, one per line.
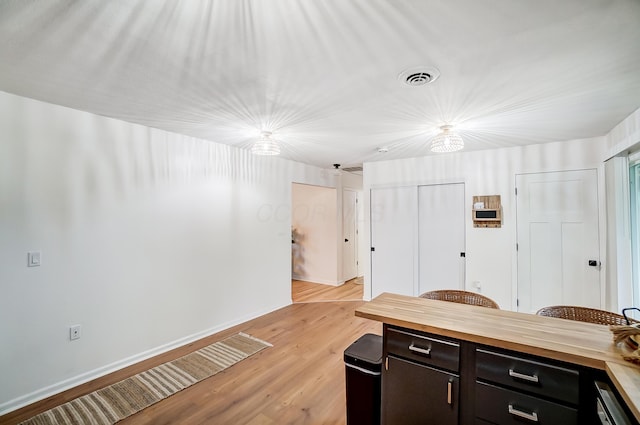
418 79
352 169
419 76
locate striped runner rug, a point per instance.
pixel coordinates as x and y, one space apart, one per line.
111 404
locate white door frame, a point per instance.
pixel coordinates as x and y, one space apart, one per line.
353 222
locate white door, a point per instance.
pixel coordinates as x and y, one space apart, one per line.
393 240
558 248
441 237
350 246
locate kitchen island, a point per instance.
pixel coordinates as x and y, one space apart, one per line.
468 340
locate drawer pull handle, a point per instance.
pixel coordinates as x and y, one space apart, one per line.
533 416
425 351
530 378
449 392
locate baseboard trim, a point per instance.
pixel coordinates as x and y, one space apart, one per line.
313 280
83 378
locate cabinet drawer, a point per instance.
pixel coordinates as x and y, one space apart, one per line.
423 349
502 406
539 378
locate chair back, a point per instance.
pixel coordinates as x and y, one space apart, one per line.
461 297
584 314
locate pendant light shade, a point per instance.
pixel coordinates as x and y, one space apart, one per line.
447 141
266 145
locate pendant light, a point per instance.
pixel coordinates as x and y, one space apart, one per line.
266 145
447 140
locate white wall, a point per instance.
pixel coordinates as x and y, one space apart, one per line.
314 218
624 135
490 253
351 180
149 240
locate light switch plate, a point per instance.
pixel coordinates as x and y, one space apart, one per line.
33 259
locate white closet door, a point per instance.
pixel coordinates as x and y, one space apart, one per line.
558 247
441 237
393 240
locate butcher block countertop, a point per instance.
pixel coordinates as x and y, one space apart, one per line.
569 341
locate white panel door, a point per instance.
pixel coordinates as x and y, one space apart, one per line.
350 245
441 237
558 247
393 240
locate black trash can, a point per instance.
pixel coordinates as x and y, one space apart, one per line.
363 368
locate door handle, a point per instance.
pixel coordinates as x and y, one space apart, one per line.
594 263
346 240
533 416
530 378
425 351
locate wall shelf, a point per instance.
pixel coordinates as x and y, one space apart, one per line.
490 215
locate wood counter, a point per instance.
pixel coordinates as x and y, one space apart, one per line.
569 341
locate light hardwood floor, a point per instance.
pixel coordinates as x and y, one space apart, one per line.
300 380
304 292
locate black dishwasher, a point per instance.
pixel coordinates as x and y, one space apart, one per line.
610 412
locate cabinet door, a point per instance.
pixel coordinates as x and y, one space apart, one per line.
417 394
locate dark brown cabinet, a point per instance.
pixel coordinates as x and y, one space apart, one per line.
524 374
420 383
430 379
512 389
499 405
417 394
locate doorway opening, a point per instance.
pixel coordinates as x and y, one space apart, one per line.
314 231
324 249
306 292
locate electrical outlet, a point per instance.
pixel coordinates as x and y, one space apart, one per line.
74 332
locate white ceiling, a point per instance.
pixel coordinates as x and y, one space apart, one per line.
323 74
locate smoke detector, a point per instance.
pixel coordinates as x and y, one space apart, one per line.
418 76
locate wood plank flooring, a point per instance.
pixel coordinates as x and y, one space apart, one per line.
303 292
300 380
